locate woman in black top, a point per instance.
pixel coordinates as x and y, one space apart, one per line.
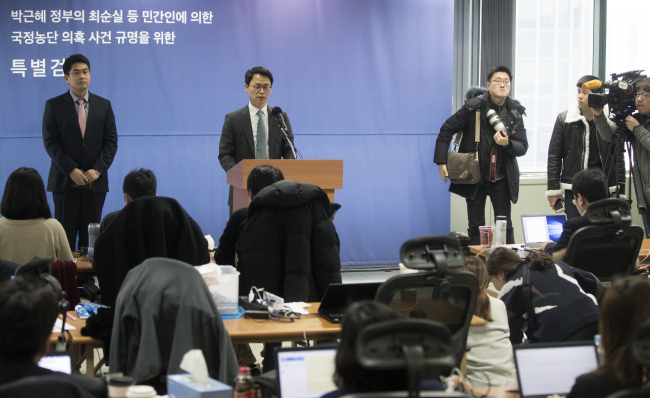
625 307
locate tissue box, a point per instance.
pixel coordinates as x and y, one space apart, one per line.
180 386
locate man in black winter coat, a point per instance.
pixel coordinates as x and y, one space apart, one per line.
289 245
497 152
575 146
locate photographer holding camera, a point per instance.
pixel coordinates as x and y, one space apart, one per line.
638 130
501 139
575 146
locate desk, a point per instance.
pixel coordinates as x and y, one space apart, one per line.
495 392
244 331
241 331
644 253
84 266
77 341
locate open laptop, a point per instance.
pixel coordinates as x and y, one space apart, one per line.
57 361
305 372
545 369
339 296
541 228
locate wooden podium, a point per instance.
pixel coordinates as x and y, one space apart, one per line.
327 174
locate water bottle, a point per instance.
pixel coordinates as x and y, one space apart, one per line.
93 232
500 233
244 385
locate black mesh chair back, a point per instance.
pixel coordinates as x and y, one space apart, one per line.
421 347
445 297
611 245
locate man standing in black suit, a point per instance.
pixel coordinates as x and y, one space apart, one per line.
82 146
588 186
253 132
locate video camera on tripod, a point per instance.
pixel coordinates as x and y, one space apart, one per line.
620 96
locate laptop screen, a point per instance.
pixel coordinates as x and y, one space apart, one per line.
57 362
339 296
545 369
305 372
539 229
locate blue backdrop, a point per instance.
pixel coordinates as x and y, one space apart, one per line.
366 81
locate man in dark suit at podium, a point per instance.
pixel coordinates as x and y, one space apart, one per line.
80 137
253 132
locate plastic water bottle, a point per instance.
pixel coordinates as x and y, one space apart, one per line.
93 232
500 233
244 384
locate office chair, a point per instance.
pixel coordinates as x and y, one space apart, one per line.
51 386
608 247
145 228
640 343
163 310
435 293
420 346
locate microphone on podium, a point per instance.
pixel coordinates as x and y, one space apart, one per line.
277 111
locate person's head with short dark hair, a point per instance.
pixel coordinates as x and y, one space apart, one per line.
500 68
138 184
587 78
258 86
350 375
258 70
74 59
28 309
261 177
625 307
499 80
588 186
24 196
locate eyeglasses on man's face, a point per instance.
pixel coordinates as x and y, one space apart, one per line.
259 88
642 96
501 82
77 73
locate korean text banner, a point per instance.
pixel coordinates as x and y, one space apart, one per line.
366 81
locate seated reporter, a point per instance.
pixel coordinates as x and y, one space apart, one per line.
589 186
490 359
260 177
350 377
562 297
139 183
625 307
28 309
28 229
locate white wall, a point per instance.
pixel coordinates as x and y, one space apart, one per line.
532 200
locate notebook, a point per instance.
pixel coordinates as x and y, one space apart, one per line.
339 296
57 361
539 229
305 372
552 368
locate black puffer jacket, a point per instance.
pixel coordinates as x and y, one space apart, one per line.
464 120
568 152
289 246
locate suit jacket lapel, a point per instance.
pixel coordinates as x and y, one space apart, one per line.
245 120
71 108
274 135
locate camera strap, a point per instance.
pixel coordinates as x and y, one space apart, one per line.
477 131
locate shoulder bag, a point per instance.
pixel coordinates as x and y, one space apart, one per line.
464 168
